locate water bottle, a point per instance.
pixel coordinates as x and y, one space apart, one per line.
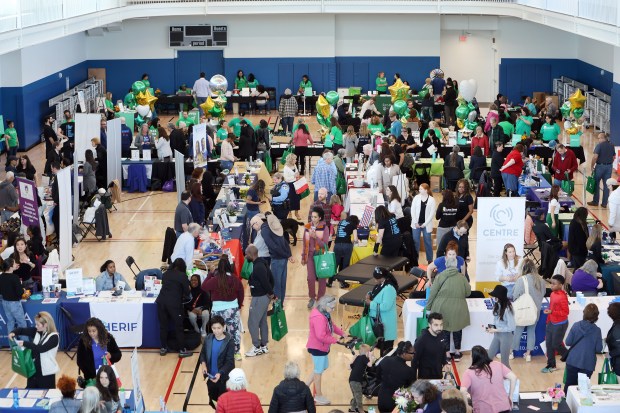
371 409
15 398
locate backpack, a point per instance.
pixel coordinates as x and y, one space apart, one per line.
524 307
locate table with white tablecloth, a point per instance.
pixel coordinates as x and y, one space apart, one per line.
606 400
481 316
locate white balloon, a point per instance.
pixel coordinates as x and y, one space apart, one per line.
466 89
143 110
567 125
475 86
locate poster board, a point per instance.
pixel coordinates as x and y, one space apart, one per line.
114 150
28 207
87 126
199 144
135 381
500 222
179 168
65 234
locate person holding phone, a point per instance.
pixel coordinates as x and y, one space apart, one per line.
503 326
217 359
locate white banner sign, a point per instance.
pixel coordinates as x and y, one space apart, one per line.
135 378
500 222
123 320
200 144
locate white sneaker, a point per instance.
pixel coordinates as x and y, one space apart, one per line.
511 357
264 350
253 352
321 400
528 358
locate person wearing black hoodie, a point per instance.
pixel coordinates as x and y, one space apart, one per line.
261 288
394 373
450 103
175 290
430 355
613 337
585 341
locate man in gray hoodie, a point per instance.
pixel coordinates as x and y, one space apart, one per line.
9 201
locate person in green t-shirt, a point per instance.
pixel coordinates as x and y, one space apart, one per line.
336 132
252 81
508 128
235 123
184 117
129 101
109 106
240 80
381 83
549 130
145 80
222 132
375 125
10 138
304 84
524 123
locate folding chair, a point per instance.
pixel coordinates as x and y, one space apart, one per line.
130 261
422 173
75 329
529 250
88 222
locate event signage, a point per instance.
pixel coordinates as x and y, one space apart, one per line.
135 378
123 320
500 222
199 143
28 206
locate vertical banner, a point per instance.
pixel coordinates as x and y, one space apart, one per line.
179 169
87 126
135 378
28 207
500 222
64 233
199 144
114 150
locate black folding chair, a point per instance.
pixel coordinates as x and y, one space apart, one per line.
130 262
75 329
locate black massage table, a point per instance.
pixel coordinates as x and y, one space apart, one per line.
357 295
391 263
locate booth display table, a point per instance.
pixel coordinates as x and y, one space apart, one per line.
481 315
38 401
605 400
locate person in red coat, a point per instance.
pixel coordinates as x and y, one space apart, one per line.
482 140
238 399
511 170
564 161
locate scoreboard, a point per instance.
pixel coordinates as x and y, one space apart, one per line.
205 35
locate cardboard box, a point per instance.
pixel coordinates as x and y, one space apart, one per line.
539 96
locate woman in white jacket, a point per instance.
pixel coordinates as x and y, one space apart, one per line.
388 170
44 345
164 152
423 210
614 205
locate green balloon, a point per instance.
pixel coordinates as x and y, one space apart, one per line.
423 93
565 109
577 113
147 83
332 97
471 125
462 111
138 87
471 106
323 121
140 120
216 112
400 106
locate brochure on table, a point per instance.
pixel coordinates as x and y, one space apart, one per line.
75 282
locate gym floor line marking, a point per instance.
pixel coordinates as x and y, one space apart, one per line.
8 385
148 198
172 380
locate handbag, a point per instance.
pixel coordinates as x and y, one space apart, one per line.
591 184
606 376
568 186
341 184
363 329
168 186
324 263
279 328
246 270
22 362
378 328
268 161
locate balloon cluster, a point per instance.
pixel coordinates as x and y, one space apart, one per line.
400 92
143 100
572 112
216 106
323 112
466 114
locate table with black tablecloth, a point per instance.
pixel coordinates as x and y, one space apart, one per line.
170 103
540 407
546 153
154 169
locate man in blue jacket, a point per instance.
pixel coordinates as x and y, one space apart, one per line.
280 252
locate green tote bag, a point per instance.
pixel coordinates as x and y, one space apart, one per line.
325 264
607 376
279 328
22 362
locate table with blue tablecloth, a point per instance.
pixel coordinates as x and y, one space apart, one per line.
138 175
525 184
31 308
541 195
41 404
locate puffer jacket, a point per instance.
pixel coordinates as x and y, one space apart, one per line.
291 395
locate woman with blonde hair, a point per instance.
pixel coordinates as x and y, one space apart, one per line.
507 268
292 174
595 245
536 289
350 143
43 343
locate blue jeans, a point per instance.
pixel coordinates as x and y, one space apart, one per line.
287 124
428 242
511 182
200 102
15 316
278 269
557 182
226 164
601 173
5 215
